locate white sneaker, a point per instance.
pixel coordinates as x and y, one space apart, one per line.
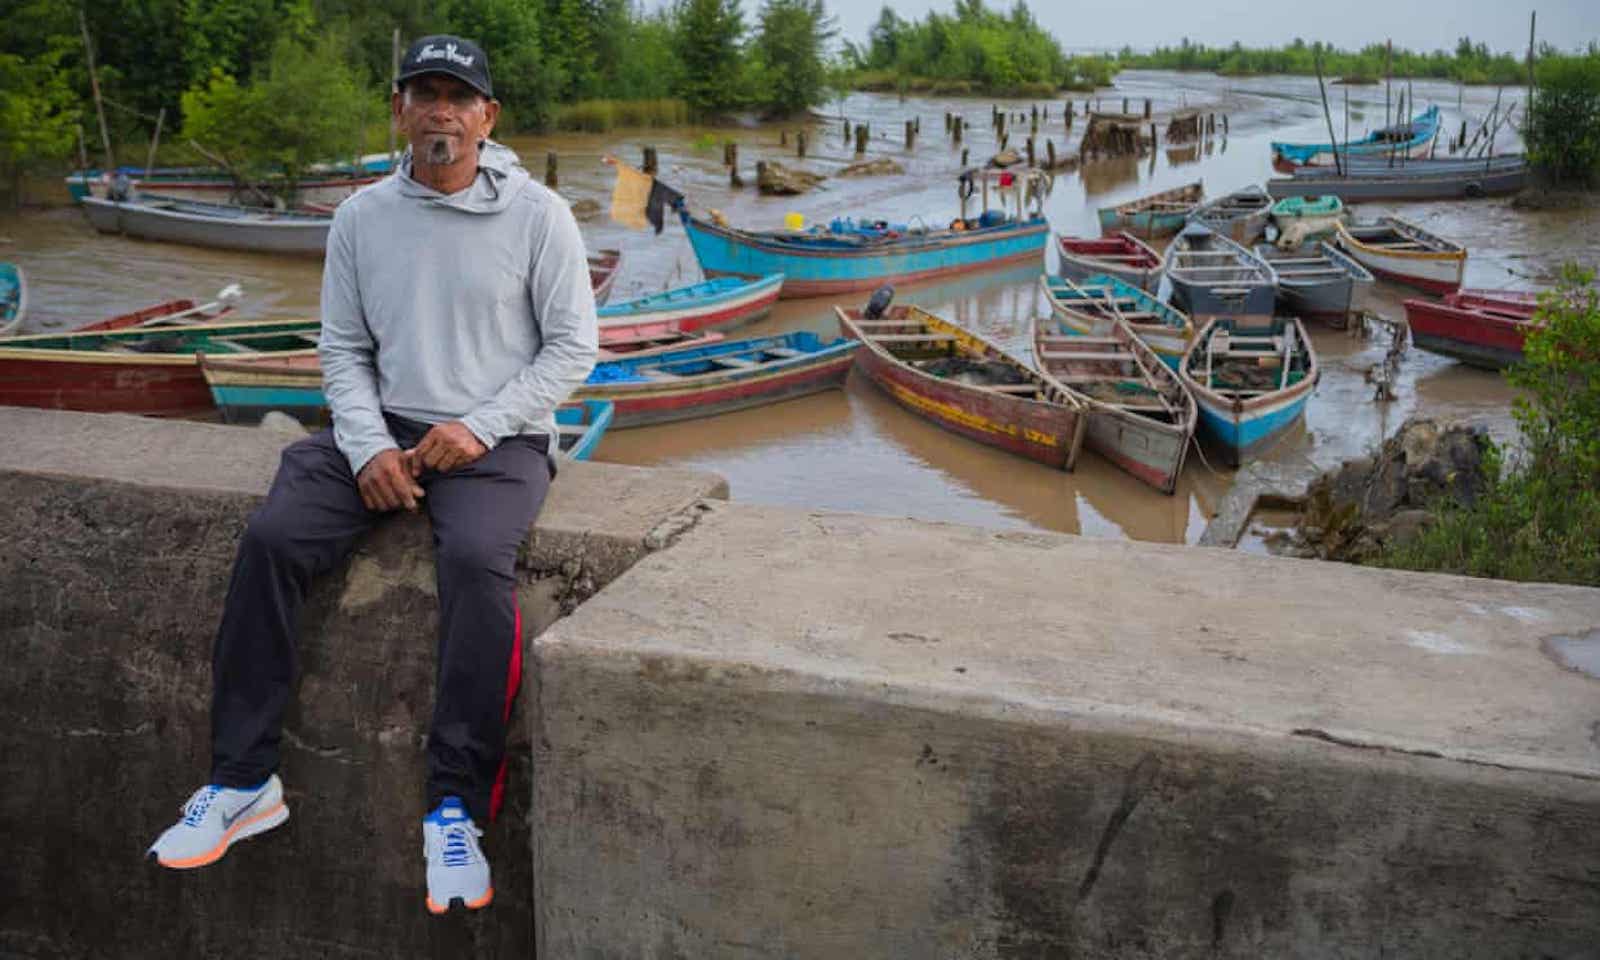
457 869
214 818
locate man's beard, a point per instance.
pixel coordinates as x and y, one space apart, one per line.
439 150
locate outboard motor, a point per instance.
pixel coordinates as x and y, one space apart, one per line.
879 302
120 188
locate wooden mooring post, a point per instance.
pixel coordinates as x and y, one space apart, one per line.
861 139
1030 152
1147 108
800 144
783 138
731 157
1124 104
963 158
650 166
1050 153
955 128
911 135
550 179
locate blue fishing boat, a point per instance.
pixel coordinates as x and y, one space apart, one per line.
1250 387
1413 139
13 297
323 184
717 378
847 255
1092 308
581 426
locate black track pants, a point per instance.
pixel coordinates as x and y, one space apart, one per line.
311 519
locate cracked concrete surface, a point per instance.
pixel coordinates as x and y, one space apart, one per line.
834 735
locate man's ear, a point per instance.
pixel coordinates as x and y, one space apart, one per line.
396 102
491 114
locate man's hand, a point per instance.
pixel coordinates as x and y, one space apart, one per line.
386 483
444 448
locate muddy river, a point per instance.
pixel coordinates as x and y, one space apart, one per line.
854 449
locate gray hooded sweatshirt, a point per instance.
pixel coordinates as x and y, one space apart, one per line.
474 306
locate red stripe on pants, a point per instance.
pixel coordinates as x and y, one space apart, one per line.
513 681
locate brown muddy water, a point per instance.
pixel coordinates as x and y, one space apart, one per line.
854 449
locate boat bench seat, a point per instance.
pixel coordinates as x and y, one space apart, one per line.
913 337
1068 355
785 352
1011 387
734 363
572 429
1090 378
658 374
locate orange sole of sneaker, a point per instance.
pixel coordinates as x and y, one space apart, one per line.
477 904
216 852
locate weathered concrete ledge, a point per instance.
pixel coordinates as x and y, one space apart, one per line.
1262 483
820 735
116 539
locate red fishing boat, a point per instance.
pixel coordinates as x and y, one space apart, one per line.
1483 328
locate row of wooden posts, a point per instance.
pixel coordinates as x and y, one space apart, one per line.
954 125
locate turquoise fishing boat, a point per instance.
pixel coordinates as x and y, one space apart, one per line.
1092 308
1250 388
847 255
1158 215
1413 139
13 297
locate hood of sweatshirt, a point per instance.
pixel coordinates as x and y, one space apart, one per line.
500 178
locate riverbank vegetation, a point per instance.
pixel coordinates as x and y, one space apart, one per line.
1540 517
1471 63
972 50
1563 124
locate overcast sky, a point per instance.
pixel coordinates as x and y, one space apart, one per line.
1418 24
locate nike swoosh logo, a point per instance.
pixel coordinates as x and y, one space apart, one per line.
228 821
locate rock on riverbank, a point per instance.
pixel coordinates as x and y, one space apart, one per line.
1368 503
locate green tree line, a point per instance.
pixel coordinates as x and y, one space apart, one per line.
287 81
1469 62
973 49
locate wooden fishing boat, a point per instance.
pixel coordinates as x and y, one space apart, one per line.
1093 308
1480 328
246 387
326 185
964 383
1140 416
1210 276
603 269
1300 219
216 225
1249 388
825 261
1411 139
1241 216
1399 250
171 312
149 370
719 304
1158 215
13 298
718 378
1122 256
627 342
1417 180
1316 282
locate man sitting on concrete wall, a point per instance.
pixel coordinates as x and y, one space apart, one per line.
457 315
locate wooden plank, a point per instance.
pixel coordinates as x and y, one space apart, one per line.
737 363
1010 387
913 337
1055 355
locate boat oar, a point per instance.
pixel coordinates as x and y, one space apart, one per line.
227 296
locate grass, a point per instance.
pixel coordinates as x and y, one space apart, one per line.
599 116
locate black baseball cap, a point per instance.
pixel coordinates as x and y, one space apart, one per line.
442 53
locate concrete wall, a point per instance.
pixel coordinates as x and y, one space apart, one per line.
795 734
116 539
815 735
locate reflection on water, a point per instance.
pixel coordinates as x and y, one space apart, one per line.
854 449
